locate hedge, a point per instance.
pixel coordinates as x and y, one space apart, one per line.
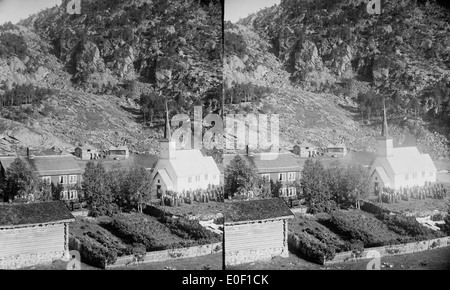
191 230
312 249
93 253
408 226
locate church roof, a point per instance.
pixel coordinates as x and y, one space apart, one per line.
165 177
383 175
408 159
192 162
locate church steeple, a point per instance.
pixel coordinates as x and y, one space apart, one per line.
385 144
384 128
167 124
168 146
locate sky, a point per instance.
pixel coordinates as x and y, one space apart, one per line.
15 10
236 9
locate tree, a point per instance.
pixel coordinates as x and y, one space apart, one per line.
446 226
137 187
20 181
44 192
315 187
275 188
239 176
97 192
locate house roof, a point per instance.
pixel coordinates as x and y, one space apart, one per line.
51 165
165 177
383 175
118 148
336 146
268 162
6 161
19 214
256 210
192 162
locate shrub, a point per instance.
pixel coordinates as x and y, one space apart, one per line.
313 249
191 230
95 254
108 243
408 226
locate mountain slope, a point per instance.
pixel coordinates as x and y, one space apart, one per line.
334 56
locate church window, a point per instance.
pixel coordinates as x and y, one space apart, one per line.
423 174
406 176
190 179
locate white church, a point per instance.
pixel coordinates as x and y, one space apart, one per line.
183 170
401 166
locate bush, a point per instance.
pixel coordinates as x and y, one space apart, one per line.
95 254
313 249
408 226
108 243
191 230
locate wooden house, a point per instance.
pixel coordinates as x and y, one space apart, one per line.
255 230
87 153
33 233
57 169
336 150
120 152
305 150
274 167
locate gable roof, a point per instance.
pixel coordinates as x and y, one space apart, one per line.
192 162
383 175
47 165
113 148
165 177
409 159
268 162
6 161
256 210
51 165
20 214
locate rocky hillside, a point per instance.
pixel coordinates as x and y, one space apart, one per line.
334 55
100 65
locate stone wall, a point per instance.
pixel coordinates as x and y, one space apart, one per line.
29 260
249 256
172 254
401 249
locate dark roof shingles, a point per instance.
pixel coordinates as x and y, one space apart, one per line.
252 210
15 214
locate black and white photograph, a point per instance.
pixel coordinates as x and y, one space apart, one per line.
247 136
92 173
356 176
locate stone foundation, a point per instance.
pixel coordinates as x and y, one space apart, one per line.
249 256
29 260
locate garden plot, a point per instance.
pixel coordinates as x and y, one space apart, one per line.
101 241
318 238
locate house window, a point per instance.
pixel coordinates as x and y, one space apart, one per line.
158 181
282 176
64 194
72 179
406 176
73 194
283 191
291 176
206 176
47 179
291 191
190 179
265 177
63 179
